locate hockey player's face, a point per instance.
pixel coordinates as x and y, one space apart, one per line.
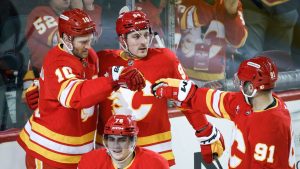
138 42
120 147
81 45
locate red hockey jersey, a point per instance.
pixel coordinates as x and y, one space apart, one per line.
207 29
43 21
64 126
99 159
151 113
262 139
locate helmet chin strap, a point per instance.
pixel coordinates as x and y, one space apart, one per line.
247 97
125 48
68 49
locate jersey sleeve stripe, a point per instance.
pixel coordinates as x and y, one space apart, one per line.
63 86
222 108
65 94
168 155
209 102
216 100
72 92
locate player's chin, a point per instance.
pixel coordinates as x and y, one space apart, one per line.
84 54
118 156
142 53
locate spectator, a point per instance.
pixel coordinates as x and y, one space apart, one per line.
120 137
264 135
42 35
208 27
43 22
270 24
63 126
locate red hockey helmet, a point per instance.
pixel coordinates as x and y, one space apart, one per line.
121 125
130 21
261 71
75 22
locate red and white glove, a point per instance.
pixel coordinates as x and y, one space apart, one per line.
32 96
211 142
128 77
180 90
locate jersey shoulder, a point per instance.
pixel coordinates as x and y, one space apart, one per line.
153 157
56 57
164 55
107 53
95 158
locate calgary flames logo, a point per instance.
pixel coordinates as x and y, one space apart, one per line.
125 101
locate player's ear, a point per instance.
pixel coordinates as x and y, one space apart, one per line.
67 40
122 40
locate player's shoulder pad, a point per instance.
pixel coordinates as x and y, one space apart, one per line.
165 52
95 153
56 58
146 153
109 53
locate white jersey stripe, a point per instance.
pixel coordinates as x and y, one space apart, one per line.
54 146
161 147
216 100
64 94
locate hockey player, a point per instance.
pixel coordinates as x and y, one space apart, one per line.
151 113
263 136
119 139
63 126
135 35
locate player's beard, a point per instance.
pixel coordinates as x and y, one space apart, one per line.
81 54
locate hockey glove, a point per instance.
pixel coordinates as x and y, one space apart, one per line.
180 90
211 142
128 77
32 96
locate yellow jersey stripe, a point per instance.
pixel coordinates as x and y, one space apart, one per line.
70 140
209 101
222 108
61 158
142 141
63 86
154 138
168 155
71 93
38 164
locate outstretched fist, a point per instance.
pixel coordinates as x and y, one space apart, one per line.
179 90
128 77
